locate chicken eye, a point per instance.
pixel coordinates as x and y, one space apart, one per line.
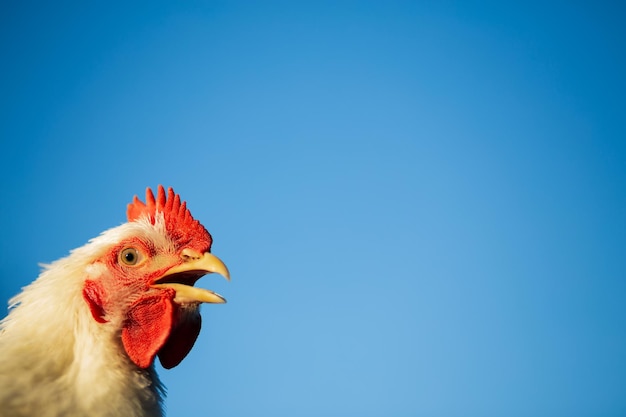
130 256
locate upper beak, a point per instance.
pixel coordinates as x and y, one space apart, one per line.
196 262
194 265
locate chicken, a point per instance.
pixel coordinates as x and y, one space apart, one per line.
81 340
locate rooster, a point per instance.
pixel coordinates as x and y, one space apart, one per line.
81 340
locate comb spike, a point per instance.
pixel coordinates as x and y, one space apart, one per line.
150 197
160 203
135 209
169 201
176 203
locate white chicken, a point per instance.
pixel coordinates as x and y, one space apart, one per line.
81 339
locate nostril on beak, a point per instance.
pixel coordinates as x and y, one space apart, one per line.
190 254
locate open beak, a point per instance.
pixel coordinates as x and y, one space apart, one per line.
181 277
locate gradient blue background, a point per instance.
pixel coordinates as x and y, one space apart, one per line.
423 205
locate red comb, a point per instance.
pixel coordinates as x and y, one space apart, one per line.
180 225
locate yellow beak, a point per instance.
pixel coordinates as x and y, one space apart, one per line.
195 264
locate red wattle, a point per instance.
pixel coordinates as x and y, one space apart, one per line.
154 325
147 327
181 340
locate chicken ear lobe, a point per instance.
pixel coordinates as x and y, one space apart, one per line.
94 296
146 329
181 340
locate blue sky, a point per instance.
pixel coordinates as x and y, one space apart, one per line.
422 204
